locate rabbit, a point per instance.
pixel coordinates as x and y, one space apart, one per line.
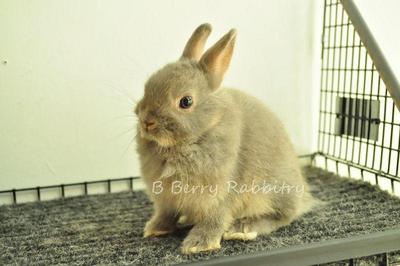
212 155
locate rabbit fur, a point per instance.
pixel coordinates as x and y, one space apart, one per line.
204 163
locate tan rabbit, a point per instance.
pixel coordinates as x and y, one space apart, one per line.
216 156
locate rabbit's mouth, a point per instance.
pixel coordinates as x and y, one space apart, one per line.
163 138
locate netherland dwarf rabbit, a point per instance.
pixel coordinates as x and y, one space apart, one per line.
215 156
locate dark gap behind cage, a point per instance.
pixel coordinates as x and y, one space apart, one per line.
357 118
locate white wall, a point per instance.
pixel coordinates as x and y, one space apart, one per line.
75 67
383 20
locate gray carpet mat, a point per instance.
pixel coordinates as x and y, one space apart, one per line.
107 229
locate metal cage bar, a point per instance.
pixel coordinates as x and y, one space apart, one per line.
374 51
359 124
321 252
13 193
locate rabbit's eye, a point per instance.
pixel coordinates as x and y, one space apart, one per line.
186 102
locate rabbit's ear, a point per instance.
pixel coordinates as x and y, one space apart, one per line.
195 46
217 58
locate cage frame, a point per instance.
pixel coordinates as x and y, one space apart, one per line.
387 83
351 248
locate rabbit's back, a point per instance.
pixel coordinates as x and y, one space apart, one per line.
266 154
262 131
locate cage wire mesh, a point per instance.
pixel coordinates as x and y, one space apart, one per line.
358 122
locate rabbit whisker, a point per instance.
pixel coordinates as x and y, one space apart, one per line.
129 145
129 130
126 116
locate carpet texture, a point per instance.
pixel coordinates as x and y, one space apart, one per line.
107 229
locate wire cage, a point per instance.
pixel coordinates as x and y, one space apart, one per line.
358 136
359 124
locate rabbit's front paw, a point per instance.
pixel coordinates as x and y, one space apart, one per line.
195 243
155 227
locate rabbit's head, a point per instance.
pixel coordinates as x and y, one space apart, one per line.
179 103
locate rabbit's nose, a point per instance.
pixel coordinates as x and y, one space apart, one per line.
150 124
